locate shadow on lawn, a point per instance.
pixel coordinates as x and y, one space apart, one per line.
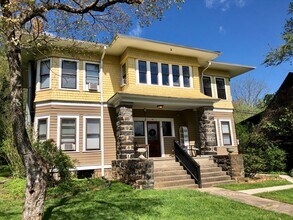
103 204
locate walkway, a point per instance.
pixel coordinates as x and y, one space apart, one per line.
251 200
266 189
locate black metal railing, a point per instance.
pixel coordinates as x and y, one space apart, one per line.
192 167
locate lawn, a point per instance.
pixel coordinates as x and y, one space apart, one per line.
255 185
285 195
92 199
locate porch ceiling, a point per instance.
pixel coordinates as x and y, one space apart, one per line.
151 102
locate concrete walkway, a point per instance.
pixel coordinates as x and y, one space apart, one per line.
266 189
286 177
251 200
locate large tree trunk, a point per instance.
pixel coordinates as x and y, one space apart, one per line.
35 167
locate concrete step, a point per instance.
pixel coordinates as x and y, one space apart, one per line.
210 184
171 178
191 186
210 169
163 169
212 174
174 183
208 165
169 173
215 179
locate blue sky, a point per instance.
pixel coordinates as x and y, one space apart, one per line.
243 30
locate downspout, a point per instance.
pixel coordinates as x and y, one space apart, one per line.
209 64
102 111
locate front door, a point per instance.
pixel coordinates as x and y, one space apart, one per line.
153 129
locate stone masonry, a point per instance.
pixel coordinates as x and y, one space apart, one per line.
124 132
207 127
135 172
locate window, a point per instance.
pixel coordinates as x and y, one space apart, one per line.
69 74
221 88
207 86
167 128
44 74
92 134
186 76
42 129
175 73
68 134
142 71
225 126
138 128
123 74
165 74
92 73
154 73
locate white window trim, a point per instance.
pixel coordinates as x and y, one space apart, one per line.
38 79
77 74
84 133
211 84
37 125
231 134
225 86
85 86
59 117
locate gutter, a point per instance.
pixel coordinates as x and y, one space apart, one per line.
202 72
102 110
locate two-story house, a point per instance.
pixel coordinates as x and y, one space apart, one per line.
96 101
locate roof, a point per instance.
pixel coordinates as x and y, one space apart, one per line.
232 69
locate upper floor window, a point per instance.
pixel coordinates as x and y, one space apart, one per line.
226 133
220 82
154 73
45 74
42 129
207 85
165 74
92 73
142 66
123 74
186 76
176 74
69 74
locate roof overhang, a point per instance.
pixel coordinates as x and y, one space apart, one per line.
152 102
121 42
232 69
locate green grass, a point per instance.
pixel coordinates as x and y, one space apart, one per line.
244 186
285 195
92 200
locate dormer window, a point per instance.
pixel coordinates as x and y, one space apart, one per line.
220 82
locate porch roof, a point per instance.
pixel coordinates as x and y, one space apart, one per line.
138 101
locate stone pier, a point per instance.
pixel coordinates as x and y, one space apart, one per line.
124 132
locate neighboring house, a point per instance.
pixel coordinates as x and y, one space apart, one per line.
97 100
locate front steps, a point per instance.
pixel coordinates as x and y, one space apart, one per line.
168 174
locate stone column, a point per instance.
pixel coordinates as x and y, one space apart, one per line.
124 132
237 166
207 129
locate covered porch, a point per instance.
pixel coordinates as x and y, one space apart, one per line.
157 121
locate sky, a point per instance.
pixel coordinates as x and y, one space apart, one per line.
243 30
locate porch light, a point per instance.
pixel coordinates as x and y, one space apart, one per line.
160 106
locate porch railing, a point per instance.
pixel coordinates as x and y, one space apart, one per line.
192 167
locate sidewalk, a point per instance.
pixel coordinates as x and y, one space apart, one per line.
266 189
251 200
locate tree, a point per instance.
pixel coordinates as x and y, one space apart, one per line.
248 94
284 52
20 24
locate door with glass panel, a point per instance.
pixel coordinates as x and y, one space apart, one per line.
153 132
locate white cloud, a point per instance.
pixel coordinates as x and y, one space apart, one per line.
224 5
136 31
222 30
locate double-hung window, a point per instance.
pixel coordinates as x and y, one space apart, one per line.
142 66
167 128
123 74
42 129
92 134
165 74
220 82
45 74
226 133
154 73
69 74
68 134
92 73
186 76
207 86
176 74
